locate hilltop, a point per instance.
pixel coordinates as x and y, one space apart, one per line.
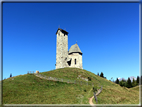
30 89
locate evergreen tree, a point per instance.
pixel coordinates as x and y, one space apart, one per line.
123 80
98 74
122 83
117 81
102 75
10 75
137 79
134 83
129 84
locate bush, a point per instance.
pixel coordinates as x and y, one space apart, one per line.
94 89
89 78
85 90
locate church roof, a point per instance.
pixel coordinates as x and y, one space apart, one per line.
63 31
75 48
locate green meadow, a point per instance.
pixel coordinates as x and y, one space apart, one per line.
30 89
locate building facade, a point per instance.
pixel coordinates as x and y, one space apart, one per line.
65 58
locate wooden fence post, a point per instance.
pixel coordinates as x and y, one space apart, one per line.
95 97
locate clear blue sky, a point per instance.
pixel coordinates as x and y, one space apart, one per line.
107 34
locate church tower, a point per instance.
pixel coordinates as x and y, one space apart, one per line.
61 48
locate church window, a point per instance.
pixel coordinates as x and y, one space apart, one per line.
75 61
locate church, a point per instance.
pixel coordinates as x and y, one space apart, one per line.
65 58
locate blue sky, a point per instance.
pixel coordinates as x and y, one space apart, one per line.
107 34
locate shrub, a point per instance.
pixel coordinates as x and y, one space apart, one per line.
89 78
94 89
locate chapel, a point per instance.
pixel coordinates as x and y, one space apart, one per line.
65 58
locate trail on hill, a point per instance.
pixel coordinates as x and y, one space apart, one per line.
90 99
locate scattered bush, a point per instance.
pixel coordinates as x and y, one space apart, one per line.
94 89
89 79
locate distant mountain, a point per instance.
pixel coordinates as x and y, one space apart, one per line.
121 79
131 78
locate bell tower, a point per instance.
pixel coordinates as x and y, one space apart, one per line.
61 48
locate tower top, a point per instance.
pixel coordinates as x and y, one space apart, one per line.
63 31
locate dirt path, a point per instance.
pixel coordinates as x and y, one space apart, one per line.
90 99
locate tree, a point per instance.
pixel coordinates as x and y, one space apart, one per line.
98 74
129 84
134 83
137 80
123 80
10 75
102 75
117 81
122 83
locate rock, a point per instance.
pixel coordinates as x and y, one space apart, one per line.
37 72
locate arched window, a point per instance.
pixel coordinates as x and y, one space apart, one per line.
75 61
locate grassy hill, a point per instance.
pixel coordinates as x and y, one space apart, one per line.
30 89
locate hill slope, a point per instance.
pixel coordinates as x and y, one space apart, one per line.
30 89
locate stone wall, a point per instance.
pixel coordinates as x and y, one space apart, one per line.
78 58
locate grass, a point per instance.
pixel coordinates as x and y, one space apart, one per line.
29 89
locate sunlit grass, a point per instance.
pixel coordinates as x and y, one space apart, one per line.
29 89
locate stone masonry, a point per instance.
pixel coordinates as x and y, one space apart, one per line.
65 58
